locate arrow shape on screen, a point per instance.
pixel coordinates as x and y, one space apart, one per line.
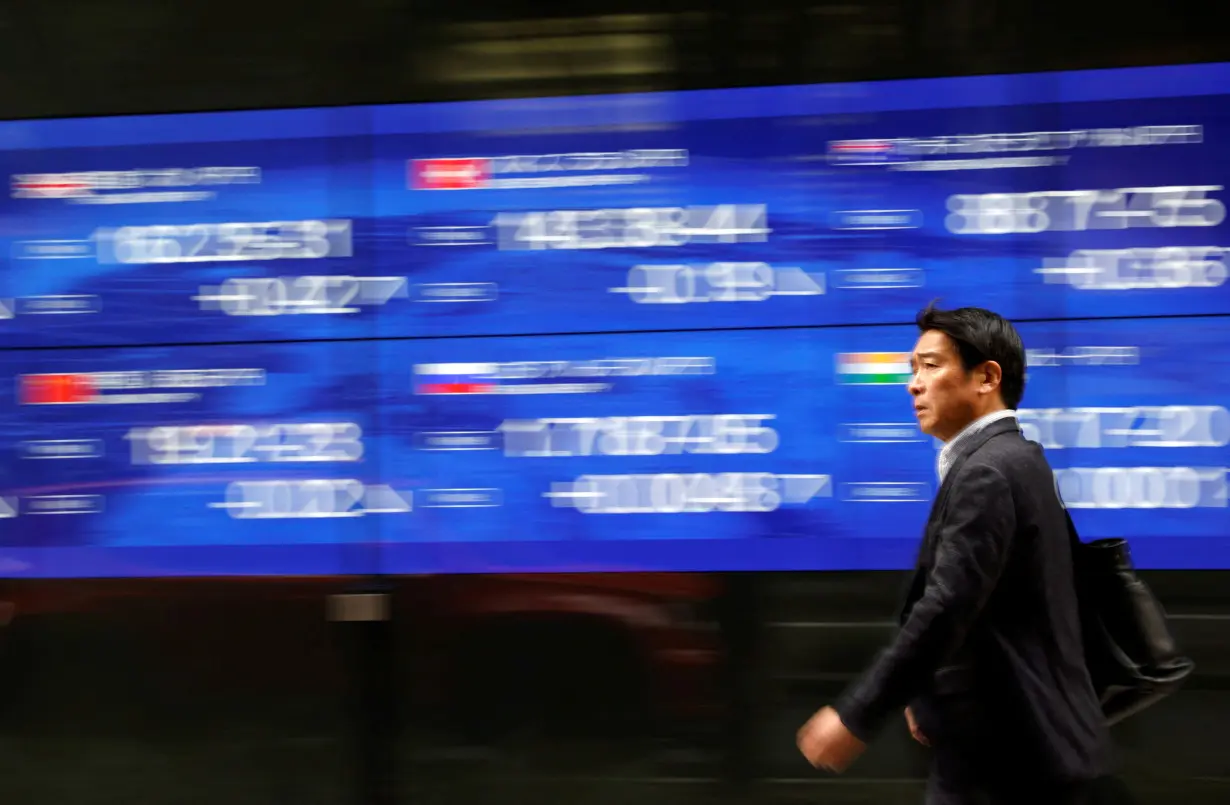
797 282
383 500
378 290
6 308
8 508
802 488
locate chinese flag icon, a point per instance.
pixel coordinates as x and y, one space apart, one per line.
56 389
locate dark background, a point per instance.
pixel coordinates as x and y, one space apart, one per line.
91 57
577 689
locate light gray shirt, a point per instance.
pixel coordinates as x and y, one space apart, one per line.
949 452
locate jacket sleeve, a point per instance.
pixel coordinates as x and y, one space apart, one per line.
973 545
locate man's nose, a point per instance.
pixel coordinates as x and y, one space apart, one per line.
914 386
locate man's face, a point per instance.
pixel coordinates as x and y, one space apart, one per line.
945 395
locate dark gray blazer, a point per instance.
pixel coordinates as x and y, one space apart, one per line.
989 651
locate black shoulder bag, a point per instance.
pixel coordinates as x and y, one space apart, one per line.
1131 654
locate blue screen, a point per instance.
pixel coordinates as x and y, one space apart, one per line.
176 460
638 332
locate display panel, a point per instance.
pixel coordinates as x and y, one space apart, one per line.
788 449
192 460
611 452
184 232
802 217
759 450
1132 415
644 332
1069 195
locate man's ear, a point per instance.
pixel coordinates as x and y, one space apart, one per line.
990 376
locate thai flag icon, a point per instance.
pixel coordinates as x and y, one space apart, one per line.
860 152
51 185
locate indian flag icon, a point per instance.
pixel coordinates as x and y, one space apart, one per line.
874 368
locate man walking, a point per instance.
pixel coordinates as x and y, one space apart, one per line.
988 663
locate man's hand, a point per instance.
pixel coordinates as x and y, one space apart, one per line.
827 744
914 730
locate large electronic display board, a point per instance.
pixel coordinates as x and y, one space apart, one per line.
642 332
1076 194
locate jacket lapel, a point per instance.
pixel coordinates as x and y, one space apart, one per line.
971 446
925 548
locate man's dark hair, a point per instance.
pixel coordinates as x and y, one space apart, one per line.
982 336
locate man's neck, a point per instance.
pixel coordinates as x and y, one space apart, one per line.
977 418
947 453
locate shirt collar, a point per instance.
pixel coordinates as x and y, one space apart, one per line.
949 451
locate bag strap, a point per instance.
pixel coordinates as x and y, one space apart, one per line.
1074 539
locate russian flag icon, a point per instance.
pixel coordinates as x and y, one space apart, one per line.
455 378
